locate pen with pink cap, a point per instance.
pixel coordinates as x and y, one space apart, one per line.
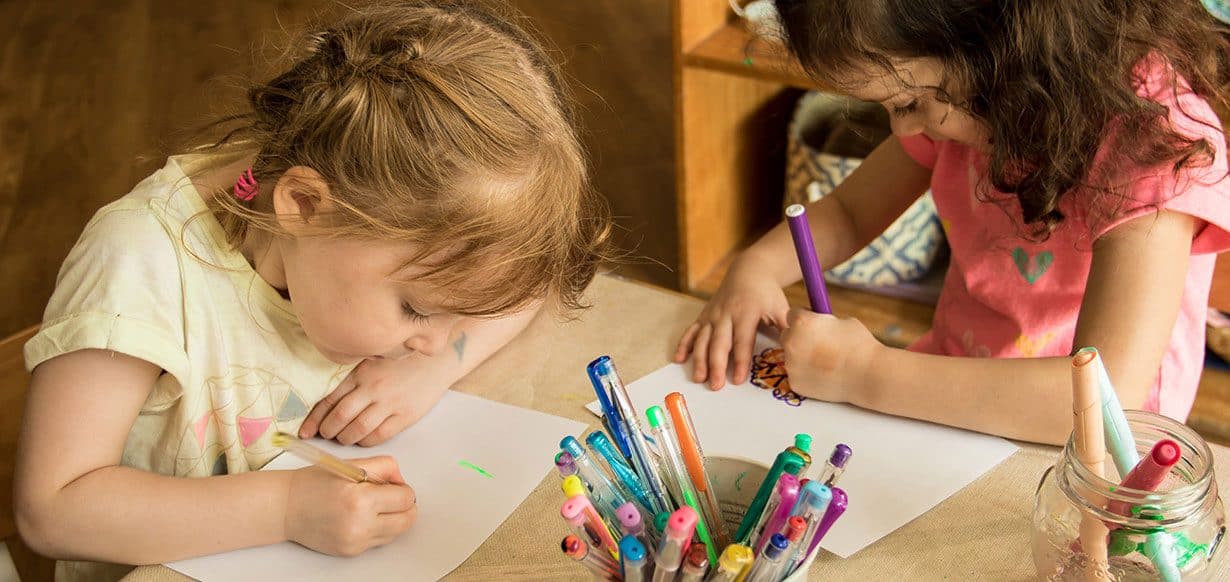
776 511
584 520
674 545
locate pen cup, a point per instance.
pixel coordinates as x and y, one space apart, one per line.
1181 524
735 482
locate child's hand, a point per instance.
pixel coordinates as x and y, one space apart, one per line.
828 358
336 516
379 399
727 326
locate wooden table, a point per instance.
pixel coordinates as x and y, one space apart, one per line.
981 533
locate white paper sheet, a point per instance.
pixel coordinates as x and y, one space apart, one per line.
900 468
458 507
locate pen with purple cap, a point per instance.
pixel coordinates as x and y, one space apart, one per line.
805 247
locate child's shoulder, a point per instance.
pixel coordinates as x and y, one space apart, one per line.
150 218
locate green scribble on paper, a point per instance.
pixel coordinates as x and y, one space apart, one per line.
477 469
739 481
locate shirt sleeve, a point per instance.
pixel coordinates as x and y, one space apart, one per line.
118 290
1201 190
920 147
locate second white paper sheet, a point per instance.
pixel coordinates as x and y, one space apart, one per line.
458 506
900 469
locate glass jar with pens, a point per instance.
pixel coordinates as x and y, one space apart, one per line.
1169 533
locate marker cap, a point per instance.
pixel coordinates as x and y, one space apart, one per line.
573 486
572 446
628 515
573 510
682 524
657 417
841 453
632 549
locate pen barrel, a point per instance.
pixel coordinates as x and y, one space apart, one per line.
639 571
647 469
809 263
626 476
756 507
678 473
694 460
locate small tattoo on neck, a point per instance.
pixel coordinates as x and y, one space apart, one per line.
459 346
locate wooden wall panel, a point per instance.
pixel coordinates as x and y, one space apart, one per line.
94 94
618 55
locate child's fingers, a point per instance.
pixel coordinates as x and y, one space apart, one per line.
311 424
744 344
719 354
348 409
392 425
685 343
700 369
391 525
382 467
393 499
363 424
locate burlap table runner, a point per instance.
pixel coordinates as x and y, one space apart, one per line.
981 533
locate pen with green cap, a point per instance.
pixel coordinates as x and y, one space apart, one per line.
786 461
659 426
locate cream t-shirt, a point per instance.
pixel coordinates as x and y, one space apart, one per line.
153 277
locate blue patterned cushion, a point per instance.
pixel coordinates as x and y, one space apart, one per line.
903 252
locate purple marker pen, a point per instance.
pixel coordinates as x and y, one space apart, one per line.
805 247
836 465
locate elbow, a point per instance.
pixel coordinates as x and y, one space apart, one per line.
36 524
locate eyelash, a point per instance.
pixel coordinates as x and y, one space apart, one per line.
908 108
413 313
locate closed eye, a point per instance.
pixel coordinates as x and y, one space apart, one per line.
413 313
903 110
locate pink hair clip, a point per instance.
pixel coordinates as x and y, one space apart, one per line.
246 186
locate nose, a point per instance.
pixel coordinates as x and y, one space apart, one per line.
430 341
907 126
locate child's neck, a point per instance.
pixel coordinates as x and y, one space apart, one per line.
262 251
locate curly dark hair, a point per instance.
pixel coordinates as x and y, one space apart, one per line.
1049 78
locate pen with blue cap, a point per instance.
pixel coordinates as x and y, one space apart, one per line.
635 563
812 503
612 417
602 372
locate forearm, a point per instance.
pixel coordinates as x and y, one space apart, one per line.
832 229
98 516
1026 399
859 209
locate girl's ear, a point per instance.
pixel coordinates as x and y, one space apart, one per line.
300 196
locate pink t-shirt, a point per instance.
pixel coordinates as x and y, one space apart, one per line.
1008 297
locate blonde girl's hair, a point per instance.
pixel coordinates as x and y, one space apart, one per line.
441 124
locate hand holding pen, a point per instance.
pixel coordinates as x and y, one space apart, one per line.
343 516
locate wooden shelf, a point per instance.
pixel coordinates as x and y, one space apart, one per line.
895 322
1210 414
732 49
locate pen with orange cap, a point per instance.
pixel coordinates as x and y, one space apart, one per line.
694 460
